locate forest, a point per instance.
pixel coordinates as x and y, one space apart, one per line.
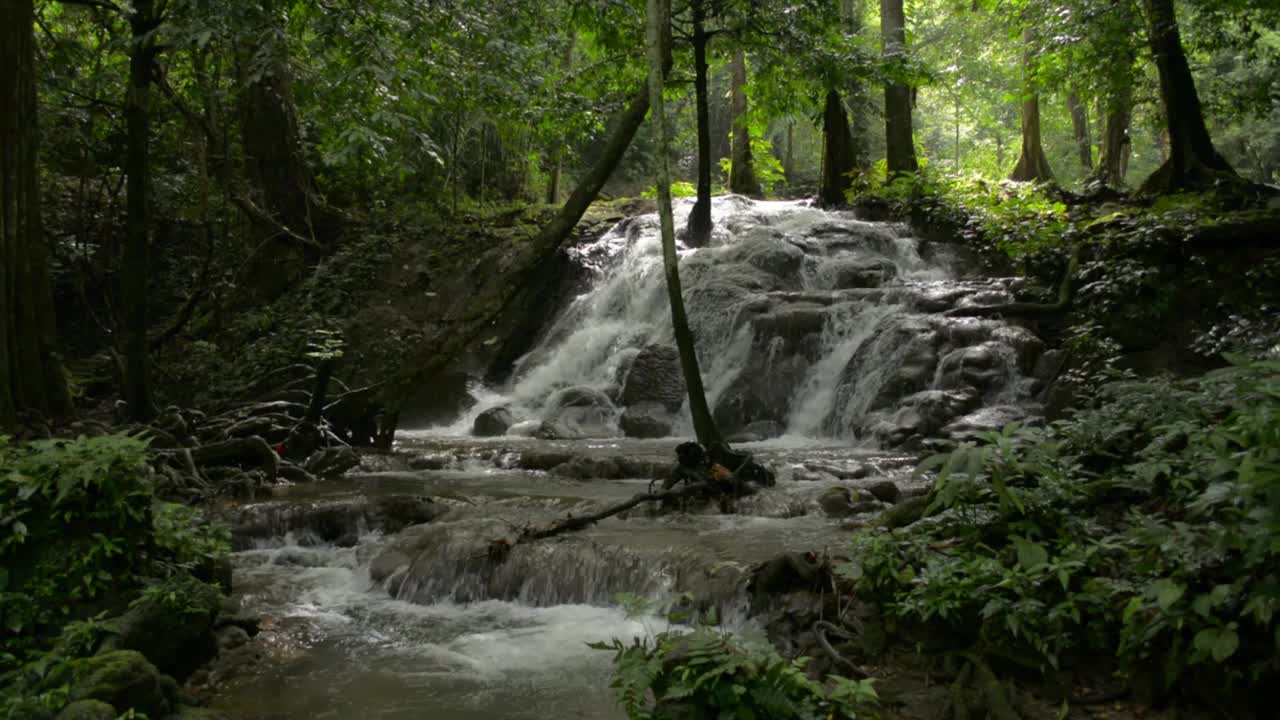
646 359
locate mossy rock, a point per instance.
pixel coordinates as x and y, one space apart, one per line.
125 680
172 624
88 710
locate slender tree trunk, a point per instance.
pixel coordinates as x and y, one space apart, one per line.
659 12
900 152
1115 142
699 229
789 160
557 163
1080 126
837 153
31 375
137 247
742 172
1193 161
1032 163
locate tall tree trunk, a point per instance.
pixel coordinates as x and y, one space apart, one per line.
789 159
837 153
851 11
659 28
1032 163
137 247
31 375
1080 126
900 152
742 172
699 228
1193 161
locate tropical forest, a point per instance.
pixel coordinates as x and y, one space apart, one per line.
639 359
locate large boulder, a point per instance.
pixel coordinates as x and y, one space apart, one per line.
654 377
578 412
88 710
493 422
646 420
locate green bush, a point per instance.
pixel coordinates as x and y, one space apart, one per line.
1146 528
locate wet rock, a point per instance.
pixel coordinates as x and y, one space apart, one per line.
88 710
654 377
885 491
123 679
231 637
331 520
431 461
988 419
493 422
578 412
866 506
836 502
757 431
588 468
332 462
543 459
646 420
764 250
860 273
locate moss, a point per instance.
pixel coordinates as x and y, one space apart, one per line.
123 679
88 710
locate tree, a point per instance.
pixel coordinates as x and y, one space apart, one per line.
699 228
1193 161
1080 126
143 23
31 375
742 174
1033 165
839 154
659 29
900 151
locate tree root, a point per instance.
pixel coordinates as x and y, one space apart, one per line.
1066 294
820 630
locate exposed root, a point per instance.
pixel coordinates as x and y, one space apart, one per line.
820 630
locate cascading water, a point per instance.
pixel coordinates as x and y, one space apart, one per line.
808 323
380 594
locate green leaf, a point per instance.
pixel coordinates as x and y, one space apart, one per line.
1225 645
1166 592
1030 555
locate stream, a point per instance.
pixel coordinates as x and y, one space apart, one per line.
827 356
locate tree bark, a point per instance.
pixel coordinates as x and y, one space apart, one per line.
1080 126
699 228
1193 161
1116 146
1032 165
900 152
856 95
557 163
837 153
137 248
742 172
659 28
31 375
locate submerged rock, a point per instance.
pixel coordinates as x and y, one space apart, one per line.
341 521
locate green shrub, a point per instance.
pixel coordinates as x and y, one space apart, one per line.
1146 527
715 676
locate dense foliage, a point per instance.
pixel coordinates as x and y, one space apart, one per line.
81 532
1143 529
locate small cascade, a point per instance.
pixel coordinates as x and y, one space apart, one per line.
808 323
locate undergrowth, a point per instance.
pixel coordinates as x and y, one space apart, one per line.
1144 529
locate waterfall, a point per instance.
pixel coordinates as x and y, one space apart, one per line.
807 323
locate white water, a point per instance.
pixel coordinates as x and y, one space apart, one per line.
768 262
